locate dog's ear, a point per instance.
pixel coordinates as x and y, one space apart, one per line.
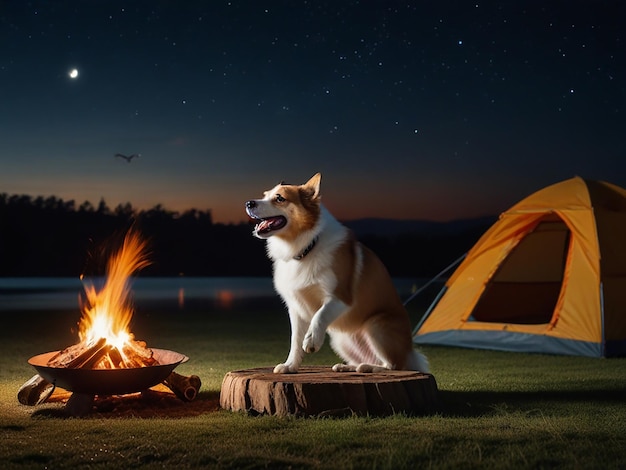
313 185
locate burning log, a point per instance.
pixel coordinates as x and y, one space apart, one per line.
89 357
77 356
113 360
136 354
138 348
185 388
104 356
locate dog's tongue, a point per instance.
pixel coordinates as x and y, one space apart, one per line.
272 223
265 225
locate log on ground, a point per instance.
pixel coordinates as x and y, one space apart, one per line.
318 391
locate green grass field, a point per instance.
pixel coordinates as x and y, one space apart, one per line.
498 410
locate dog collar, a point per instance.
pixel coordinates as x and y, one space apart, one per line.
307 250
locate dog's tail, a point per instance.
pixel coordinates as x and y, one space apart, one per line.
418 361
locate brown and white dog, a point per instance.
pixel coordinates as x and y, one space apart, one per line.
331 283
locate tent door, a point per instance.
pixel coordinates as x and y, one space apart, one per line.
525 288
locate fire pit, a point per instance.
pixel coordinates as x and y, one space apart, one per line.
108 381
108 360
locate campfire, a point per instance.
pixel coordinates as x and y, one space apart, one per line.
103 330
108 360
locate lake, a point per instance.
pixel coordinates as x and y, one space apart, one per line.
37 293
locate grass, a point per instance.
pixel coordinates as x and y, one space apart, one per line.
499 410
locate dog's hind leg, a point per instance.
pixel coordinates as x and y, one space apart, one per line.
354 349
379 346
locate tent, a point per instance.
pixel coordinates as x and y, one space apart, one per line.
549 276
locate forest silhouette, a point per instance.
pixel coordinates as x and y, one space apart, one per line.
47 236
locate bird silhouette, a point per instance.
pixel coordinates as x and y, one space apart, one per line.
128 158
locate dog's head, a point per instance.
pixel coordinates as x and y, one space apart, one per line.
286 210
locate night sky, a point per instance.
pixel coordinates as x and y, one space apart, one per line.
423 110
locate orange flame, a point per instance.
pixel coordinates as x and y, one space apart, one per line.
107 313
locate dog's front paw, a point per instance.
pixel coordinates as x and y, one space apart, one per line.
285 369
313 341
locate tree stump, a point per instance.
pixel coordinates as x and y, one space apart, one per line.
318 391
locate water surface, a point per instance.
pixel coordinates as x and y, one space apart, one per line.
42 293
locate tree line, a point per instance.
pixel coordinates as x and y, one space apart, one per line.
52 237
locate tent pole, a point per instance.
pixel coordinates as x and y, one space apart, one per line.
430 309
441 273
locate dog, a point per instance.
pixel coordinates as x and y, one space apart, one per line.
331 283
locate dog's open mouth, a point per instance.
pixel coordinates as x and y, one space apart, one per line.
269 224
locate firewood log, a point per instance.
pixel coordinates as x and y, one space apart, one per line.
35 391
185 388
89 356
96 358
65 358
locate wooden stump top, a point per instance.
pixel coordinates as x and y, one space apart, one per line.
318 391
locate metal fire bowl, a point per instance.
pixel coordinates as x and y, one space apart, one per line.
108 381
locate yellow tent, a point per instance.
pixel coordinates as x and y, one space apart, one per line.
549 276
